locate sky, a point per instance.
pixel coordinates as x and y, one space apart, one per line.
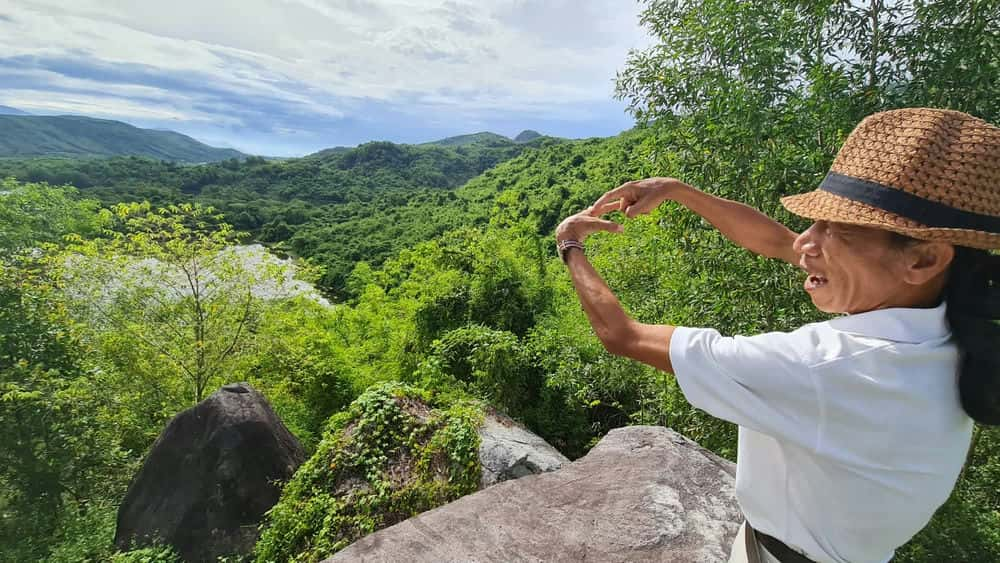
290 77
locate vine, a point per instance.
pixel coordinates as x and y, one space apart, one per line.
390 456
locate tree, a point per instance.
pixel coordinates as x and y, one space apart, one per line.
810 68
31 214
58 457
951 51
169 294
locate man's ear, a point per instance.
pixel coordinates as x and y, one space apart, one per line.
926 261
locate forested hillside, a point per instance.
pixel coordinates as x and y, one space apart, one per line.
443 266
335 207
76 136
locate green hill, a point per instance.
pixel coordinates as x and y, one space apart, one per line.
329 152
74 136
484 137
473 138
527 136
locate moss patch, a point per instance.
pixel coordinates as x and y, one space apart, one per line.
390 456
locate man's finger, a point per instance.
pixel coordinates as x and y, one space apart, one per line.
636 209
604 225
597 211
612 195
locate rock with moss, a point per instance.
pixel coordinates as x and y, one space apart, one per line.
643 493
393 454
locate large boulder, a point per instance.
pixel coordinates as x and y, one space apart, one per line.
642 494
210 477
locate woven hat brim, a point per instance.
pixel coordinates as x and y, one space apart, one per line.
820 205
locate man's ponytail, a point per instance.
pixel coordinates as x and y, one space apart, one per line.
973 310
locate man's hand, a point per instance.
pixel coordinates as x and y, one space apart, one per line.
578 227
638 197
740 223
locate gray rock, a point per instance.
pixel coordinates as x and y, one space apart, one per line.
642 494
210 477
508 451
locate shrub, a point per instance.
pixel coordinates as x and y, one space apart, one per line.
390 456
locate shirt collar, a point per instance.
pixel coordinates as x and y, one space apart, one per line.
897 324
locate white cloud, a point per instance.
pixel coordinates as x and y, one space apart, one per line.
41 102
327 56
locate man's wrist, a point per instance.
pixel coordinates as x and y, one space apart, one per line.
565 246
681 192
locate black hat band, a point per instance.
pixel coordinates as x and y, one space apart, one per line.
905 204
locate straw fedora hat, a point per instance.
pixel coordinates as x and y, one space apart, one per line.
930 174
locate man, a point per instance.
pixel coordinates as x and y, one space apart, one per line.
828 467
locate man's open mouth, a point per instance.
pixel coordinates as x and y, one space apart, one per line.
814 281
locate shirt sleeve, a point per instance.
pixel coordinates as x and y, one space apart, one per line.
759 382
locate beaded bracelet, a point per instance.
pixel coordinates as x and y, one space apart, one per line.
563 247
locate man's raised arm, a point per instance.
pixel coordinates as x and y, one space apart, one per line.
740 223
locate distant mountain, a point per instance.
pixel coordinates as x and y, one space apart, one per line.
485 138
481 137
527 136
7 110
74 136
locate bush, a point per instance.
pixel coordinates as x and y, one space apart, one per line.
155 554
387 458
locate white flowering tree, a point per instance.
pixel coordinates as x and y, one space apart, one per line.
170 296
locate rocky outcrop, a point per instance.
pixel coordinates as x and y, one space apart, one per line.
642 494
392 454
507 451
210 477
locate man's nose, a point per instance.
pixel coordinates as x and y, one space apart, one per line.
807 243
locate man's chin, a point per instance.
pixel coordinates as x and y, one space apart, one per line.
824 306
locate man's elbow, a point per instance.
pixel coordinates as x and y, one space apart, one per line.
646 343
616 342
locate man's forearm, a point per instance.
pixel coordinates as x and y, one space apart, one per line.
740 223
603 309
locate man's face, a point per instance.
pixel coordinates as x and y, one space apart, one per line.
851 269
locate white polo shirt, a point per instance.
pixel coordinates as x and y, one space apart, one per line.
851 431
